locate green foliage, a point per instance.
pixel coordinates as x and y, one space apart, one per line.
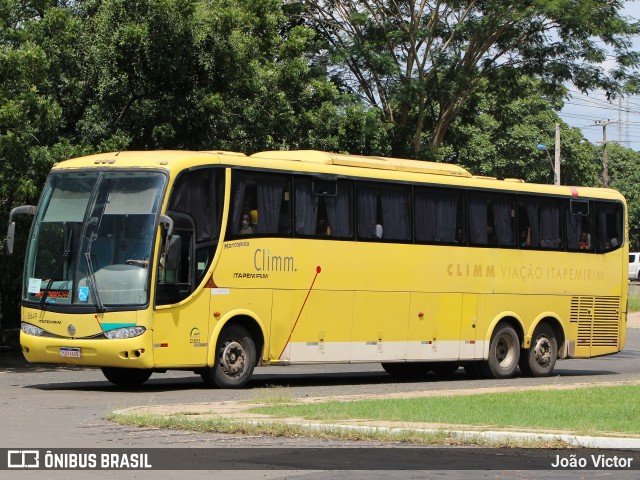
420 63
499 130
624 172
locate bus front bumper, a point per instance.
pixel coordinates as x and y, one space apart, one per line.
136 352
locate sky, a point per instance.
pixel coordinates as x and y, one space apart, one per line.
622 116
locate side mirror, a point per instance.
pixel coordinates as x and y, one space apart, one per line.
11 231
168 222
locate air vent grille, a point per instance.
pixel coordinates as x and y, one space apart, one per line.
598 320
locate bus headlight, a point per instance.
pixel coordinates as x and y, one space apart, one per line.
31 329
127 332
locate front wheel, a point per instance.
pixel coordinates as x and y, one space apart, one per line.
504 353
235 359
126 377
540 359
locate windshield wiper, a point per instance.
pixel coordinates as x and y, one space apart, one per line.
65 256
91 278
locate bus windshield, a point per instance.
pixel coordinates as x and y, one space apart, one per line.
92 239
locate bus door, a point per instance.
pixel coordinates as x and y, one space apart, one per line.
181 326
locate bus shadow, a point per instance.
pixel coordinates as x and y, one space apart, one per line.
261 381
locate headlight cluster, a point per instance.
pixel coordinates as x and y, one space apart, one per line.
31 329
127 332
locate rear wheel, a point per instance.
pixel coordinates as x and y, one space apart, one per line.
540 359
504 353
235 359
126 377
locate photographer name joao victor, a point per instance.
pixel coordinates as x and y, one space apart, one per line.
592 461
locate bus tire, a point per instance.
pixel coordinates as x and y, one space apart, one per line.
540 359
504 353
235 359
407 369
126 377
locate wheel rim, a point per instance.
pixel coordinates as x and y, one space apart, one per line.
542 351
505 351
233 358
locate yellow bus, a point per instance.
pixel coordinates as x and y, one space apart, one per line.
216 262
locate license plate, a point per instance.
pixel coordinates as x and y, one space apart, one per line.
69 352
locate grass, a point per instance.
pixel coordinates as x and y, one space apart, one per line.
280 429
583 410
634 303
634 298
610 410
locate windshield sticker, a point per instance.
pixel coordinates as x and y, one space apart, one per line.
34 285
83 294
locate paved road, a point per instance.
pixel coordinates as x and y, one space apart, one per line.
44 407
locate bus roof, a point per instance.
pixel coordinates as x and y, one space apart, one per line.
361 161
376 168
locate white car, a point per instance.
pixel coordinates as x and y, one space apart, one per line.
634 266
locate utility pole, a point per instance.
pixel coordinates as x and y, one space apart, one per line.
605 154
556 165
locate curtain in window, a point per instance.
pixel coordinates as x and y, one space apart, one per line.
436 216
425 216
446 217
195 195
532 214
306 208
367 205
269 203
549 225
502 220
601 230
395 213
339 211
574 223
478 220
236 204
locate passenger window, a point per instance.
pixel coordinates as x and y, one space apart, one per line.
439 216
260 205
539 219
323 208
579 226
384 212
609 226
492 219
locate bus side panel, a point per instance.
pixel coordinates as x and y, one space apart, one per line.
380 325
434 326
323 329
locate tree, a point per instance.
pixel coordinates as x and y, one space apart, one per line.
219 74
624 170
420 62
497 132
